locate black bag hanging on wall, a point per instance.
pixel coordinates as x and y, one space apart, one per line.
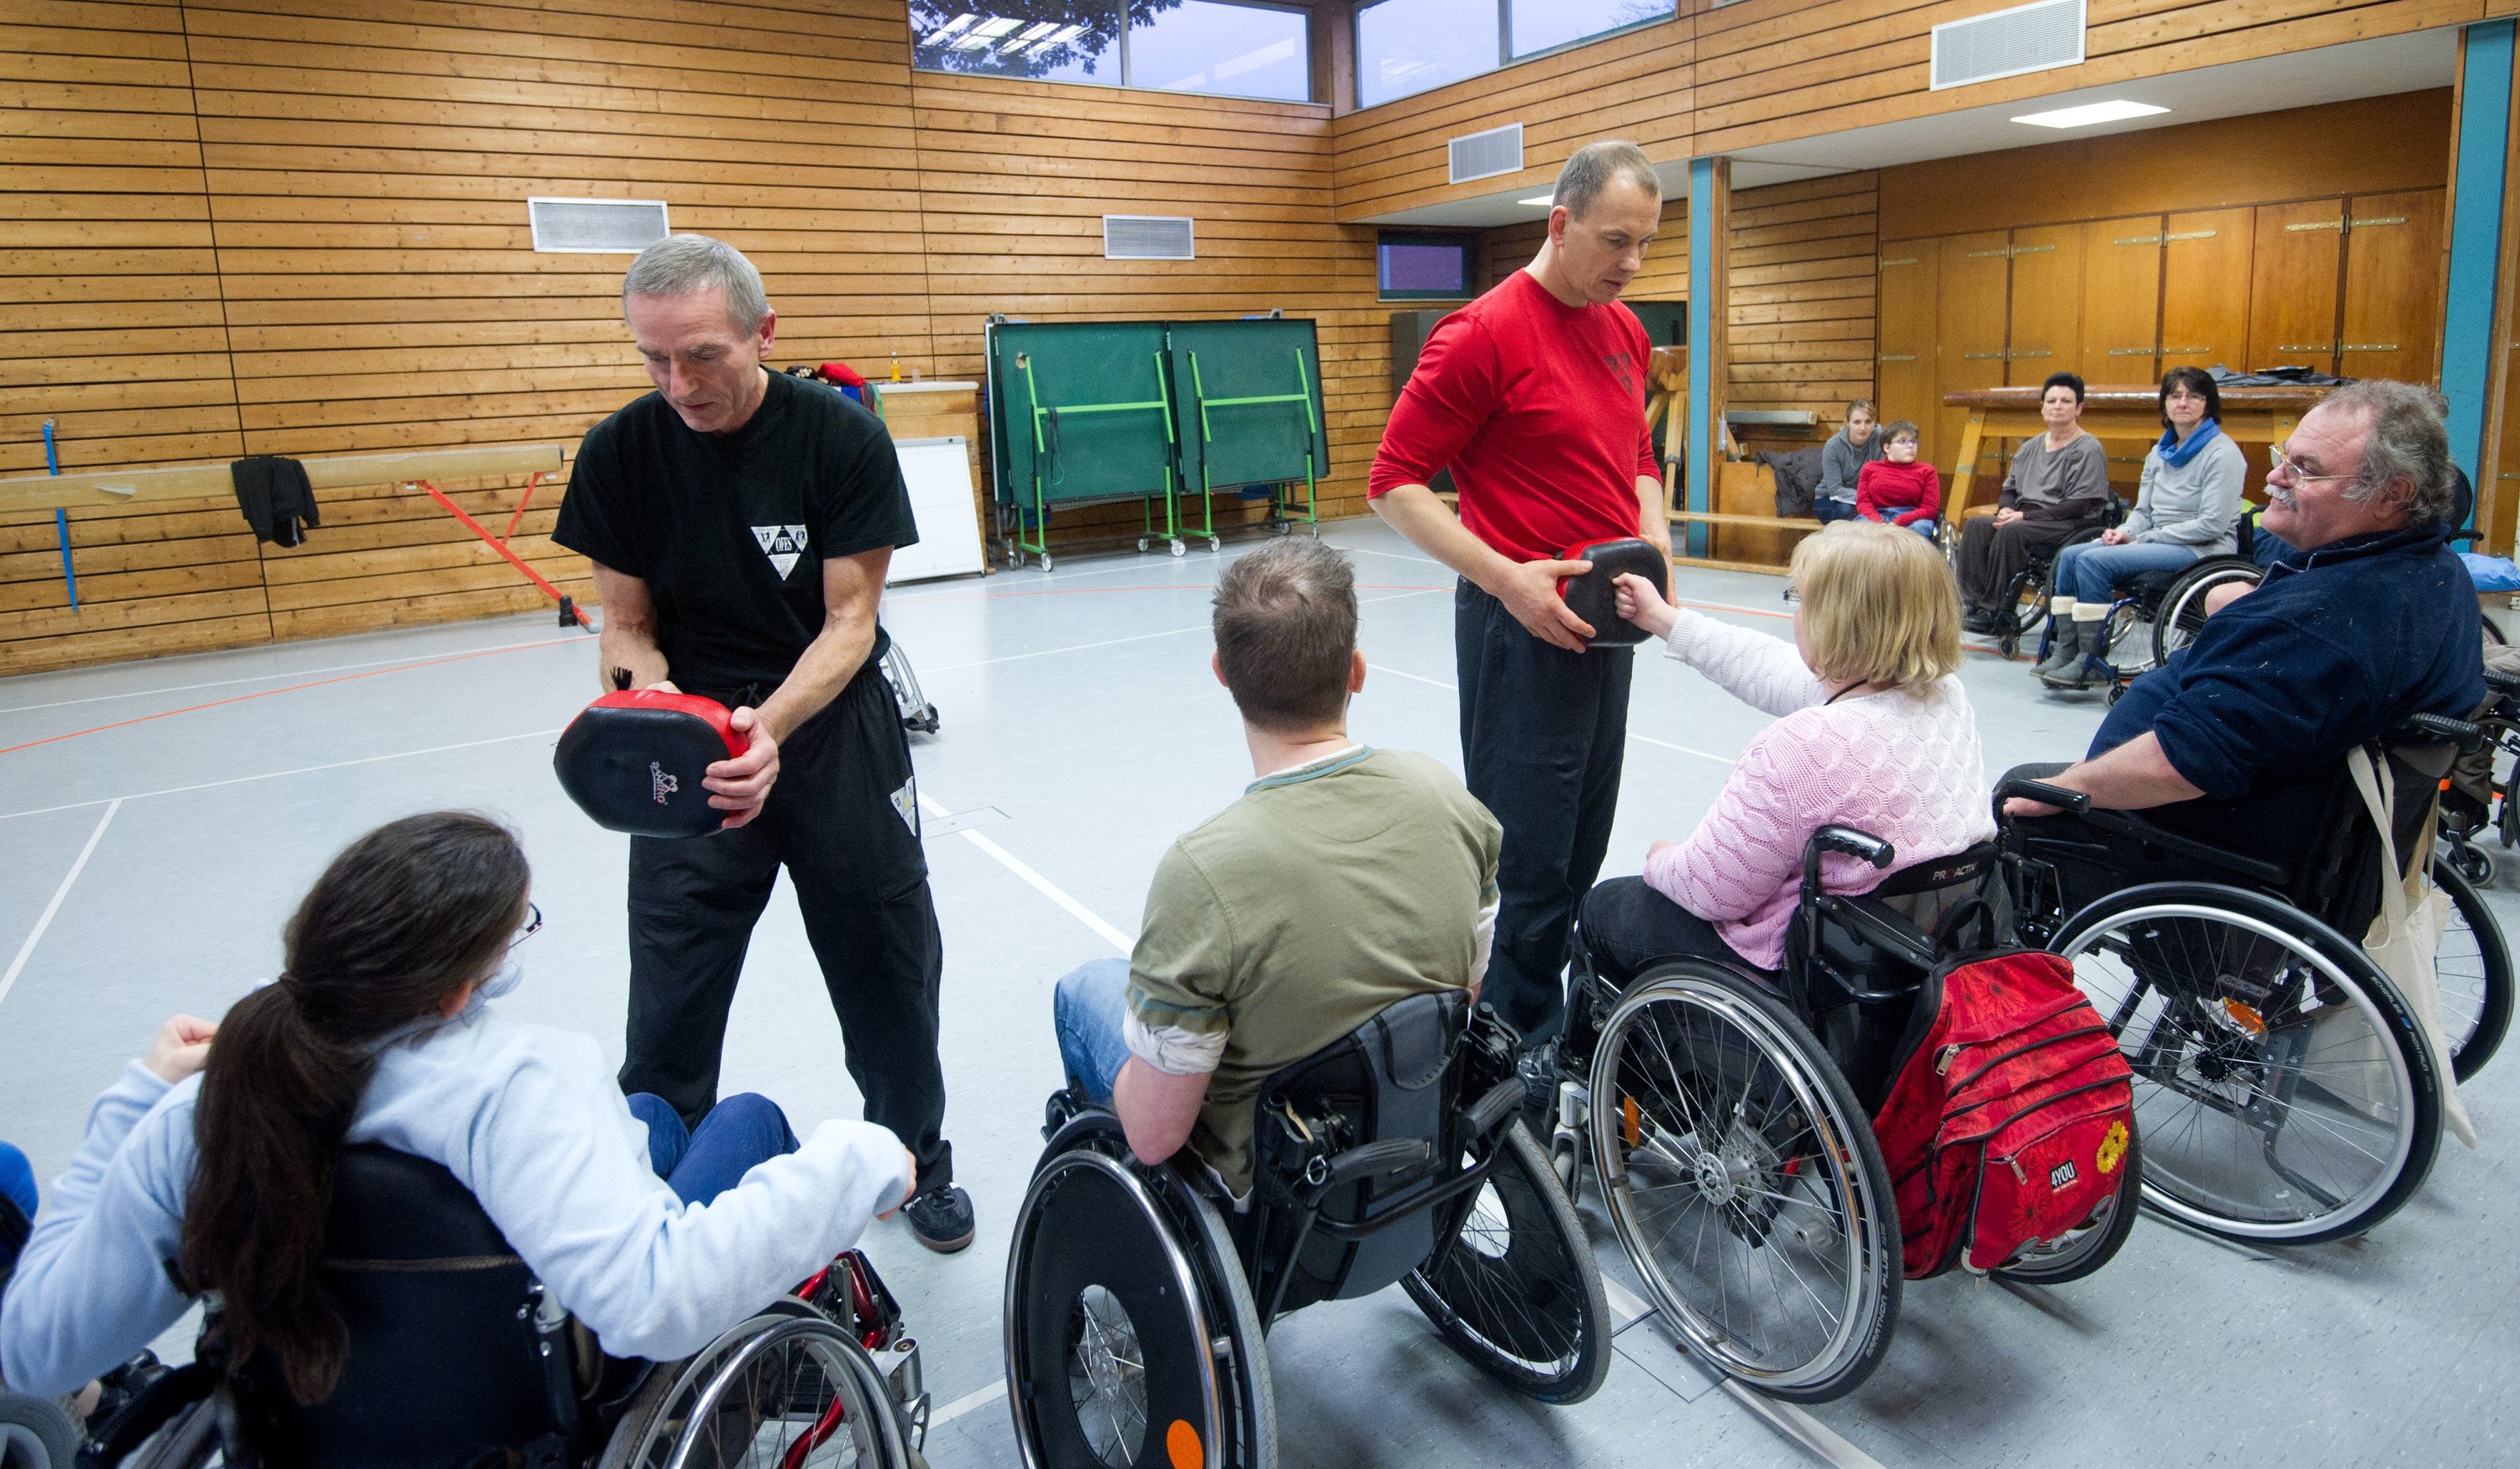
277 500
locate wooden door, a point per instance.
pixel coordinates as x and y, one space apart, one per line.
2497 512
2046 330
2205 288
1904 376
1973 291
2121 301
2391 320
2294 268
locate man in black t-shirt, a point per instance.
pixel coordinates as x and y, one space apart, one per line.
740 522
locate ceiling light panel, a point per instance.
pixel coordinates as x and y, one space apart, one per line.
2092 115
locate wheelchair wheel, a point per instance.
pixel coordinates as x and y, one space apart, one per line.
1513 1286
2473 969
2282 1089
785 1389
1131 1336
1744 1182
2093 1243
35 1434
2183 607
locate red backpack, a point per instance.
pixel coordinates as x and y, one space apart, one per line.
2010 1112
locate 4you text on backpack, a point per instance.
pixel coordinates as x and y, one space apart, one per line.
2011 1116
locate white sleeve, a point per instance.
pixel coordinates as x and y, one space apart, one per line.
650 1275
91 1287
1765 673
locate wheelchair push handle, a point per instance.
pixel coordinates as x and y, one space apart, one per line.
1371 1160
2041 791
2438 729
1863 846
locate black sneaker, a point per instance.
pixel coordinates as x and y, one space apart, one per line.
940 1218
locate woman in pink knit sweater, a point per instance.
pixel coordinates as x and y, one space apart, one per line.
1873 732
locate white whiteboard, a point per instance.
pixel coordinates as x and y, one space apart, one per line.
938 472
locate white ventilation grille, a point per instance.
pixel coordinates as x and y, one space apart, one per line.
595 226
1484 156
2008 43
1148 237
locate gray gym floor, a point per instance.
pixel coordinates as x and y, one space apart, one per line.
160 818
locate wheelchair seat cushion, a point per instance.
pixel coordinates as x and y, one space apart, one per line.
1591 597
633 761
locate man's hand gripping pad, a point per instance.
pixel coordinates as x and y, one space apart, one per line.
633 761
1590 595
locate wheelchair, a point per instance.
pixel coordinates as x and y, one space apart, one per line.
2023 610
458 1355
1138 1299
1727 1116
2284 1089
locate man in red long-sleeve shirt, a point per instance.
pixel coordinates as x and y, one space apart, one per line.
1534 397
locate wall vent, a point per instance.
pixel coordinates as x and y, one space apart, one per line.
595 226
1148 237
2033 37
1484 156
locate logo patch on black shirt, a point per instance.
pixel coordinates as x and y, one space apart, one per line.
783 544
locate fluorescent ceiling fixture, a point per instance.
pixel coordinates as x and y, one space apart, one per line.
1539 200
951 26
1037 30
2092 115
996 27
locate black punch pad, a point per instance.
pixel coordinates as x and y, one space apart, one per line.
1591 597
633 761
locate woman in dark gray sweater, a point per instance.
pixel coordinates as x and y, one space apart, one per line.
1842 459
2059 484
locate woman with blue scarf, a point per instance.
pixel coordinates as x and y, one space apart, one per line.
2188 507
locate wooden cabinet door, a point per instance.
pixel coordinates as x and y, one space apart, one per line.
2205 288
2121 301
2393 256
1904 378
2497 507
2293 273
2046 332
1972 293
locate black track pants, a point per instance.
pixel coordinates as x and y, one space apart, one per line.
843 820
1543 734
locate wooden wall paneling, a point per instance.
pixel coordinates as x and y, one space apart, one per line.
2204 305
1909 296
2391 325
2296 268
1970 308
1799 303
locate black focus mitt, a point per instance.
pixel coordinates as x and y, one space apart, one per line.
633 761
1590 595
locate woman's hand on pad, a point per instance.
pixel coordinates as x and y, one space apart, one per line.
1638 603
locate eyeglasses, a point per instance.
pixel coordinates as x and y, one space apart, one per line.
2277 459
533 925
1792 596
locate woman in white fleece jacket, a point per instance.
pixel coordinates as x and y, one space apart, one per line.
1873 732
211 1160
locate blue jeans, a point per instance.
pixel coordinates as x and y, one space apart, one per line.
1088 1008
2088 571
706 1161
1925 527
1826 510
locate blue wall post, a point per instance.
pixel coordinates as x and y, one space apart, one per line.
60 518
2476 240
1700 473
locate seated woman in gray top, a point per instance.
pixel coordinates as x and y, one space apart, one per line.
2059 484
2188 507
1842 459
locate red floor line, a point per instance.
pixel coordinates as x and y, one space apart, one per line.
241 698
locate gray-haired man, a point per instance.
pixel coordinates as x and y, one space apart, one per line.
740 522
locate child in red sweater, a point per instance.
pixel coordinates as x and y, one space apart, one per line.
1896 489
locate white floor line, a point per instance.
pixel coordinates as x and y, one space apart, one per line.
35 935
967 1402
1422 560
304 769
1079 648
1040 884
1631 735
1808 1433
416 660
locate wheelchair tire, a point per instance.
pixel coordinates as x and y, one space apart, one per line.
1696 1049
789 1374
1512 1286
2473 969
1108 1258
2096 1241
35 1434
190 1439
2215 994
2183 607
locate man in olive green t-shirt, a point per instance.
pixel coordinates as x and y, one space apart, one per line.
1346 879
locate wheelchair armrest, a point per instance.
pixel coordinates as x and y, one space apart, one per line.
2041 791
1493 1108
1392 1155
2438 729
